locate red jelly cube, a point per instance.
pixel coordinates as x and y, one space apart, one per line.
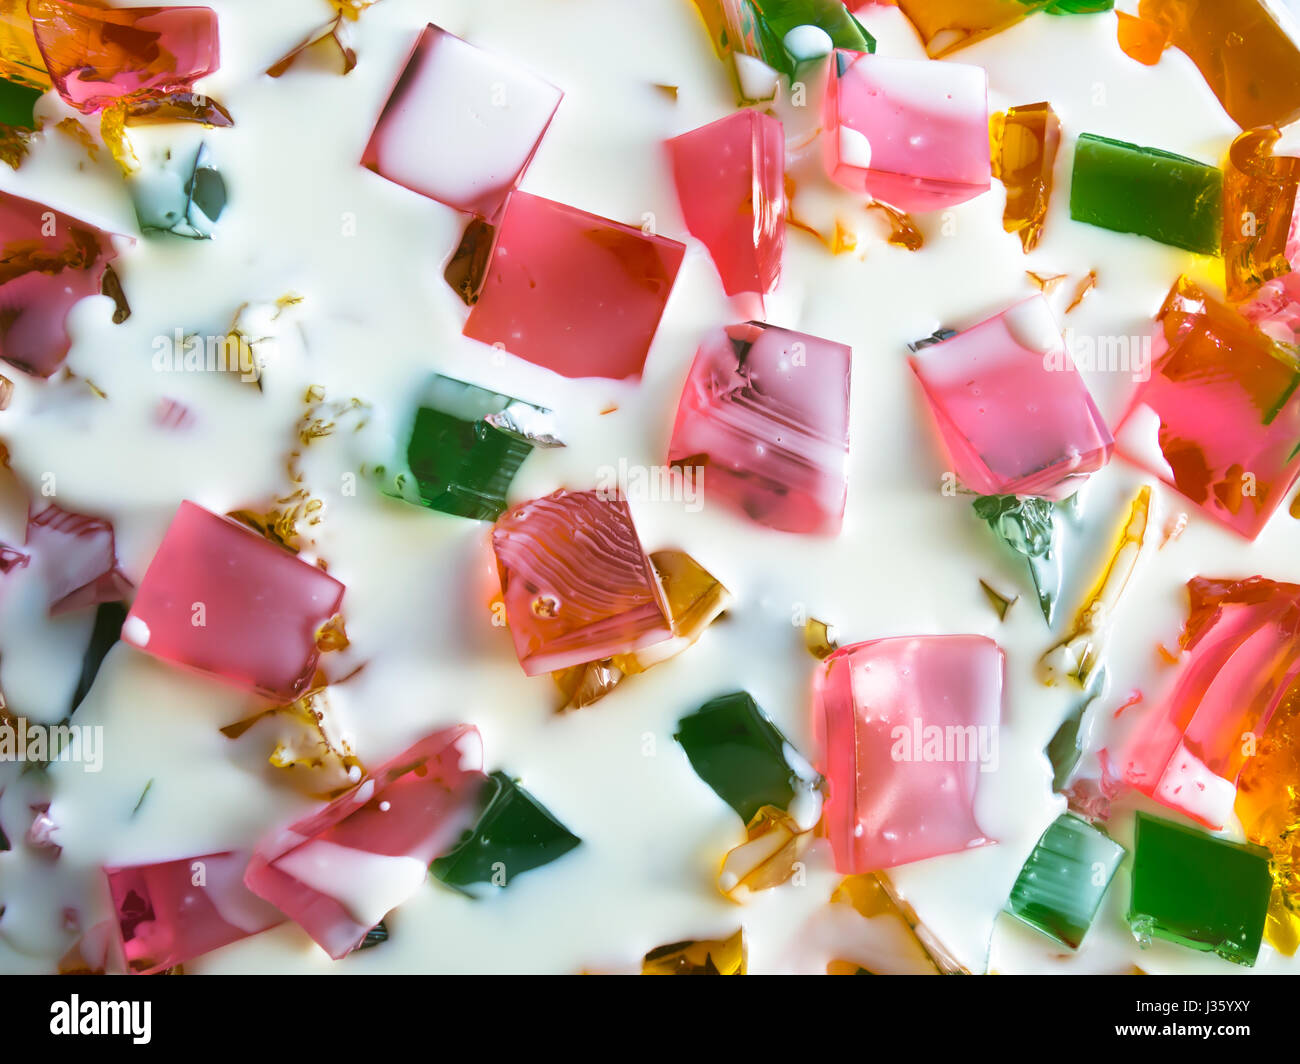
78 558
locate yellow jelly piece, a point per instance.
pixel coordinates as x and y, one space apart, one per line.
20 59
873 897
769 856
705 957
1259 200
1025 141
946 25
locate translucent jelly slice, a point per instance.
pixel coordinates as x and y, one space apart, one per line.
1219 418
170 913
1259 212
765 416
576 582
461 124
1025 142
1060 887
1014 414
910 132
730 179
339 872
220 599
908 727
574 292
1199 891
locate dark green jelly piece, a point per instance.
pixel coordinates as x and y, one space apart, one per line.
18 105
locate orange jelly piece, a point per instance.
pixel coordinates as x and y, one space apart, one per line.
1141 39
946 25
1025 141
1259 201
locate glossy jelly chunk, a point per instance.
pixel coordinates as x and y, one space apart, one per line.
774 843
461 124
945 25
338 872
765 416
1153 193
703 957
760 29
1259 211
184 194
220 599
20 58
1198 891
514 834
910 132
1014 414
574 292
98 55
576 582
170 913
77 555
18 105
1061 885
1140 38
1030 526
730 179
1219 418
1025 142
908 725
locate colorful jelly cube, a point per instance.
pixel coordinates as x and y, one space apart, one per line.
946 25
339 872
1199 891
1025 142
765 414
220 599
97 56
77 555
910 132
576 582
461 124
1061 885
1219 418
908 726
730 179
1153 193
170 913
1015 415
574 292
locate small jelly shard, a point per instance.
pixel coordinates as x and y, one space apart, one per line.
1025 142
1081 290
1219 418
467 267
1259 206
1061 886
465 446
1014 414
1000 602
221 600
874 897
175 911
1242 638
1153 193
910 132
335 36
946 25
907 725
765 415
461 124
774 843
736 749
902 232
183 195
819 639
514 834
98 55
107 630
176 107
586 684
78 557
314 756
1030 526
1199 891
703 957
1065 748
576 582
1140 38
762 29
1249 60
730 178
574 292
340 871
20 58
376 936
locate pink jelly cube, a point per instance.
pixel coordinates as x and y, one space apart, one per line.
1243 641
911 132
1015 415
172 912
461 124
765 416
907 726
572 291
98 55
78 558
576 582
730 179
220 599
340 871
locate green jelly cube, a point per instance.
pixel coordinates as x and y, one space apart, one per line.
514 834
738 751
1080 7
18 105
773 19
1153 193
1060 888
1198 891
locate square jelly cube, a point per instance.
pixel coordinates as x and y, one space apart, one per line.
765 415
1013 412
461 124
220 599
910 132
574 292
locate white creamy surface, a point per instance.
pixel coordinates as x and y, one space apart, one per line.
366 256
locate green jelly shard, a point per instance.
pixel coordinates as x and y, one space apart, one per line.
109 618
738 751
514 834
376 936
1066 747
1153 193
18 105
184 200
1199 891
775 18
1060 887
1029 526
1080 7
